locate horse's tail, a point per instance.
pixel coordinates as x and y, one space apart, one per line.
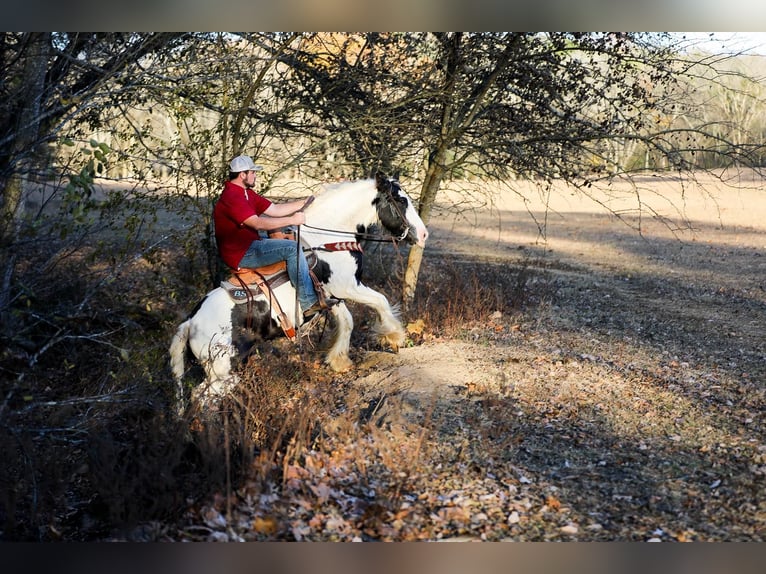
178 350
178 354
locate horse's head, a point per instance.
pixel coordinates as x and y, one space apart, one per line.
396 211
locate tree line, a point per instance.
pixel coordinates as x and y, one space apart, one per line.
168 110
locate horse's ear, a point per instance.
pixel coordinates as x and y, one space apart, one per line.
396 175
381 180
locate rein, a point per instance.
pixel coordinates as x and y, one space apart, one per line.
368 236
309 201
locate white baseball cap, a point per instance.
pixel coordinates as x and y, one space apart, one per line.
243 163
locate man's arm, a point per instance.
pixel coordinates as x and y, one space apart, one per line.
267 222
287 208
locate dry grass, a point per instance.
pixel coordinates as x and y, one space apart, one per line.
596 385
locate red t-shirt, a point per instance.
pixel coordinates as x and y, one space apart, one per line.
234 206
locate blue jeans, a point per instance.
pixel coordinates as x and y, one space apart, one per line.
267 251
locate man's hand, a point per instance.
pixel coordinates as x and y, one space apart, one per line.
308 202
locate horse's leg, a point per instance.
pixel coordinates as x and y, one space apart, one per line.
210 392
337 357
389 328
219 379
215 358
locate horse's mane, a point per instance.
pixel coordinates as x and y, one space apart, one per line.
330 198
343 186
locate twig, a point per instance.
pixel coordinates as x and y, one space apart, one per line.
115 397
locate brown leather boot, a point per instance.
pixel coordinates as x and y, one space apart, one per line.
320 305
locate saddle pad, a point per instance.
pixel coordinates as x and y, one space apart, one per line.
238 294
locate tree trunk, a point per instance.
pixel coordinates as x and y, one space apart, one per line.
22 151
23 146
436 162
430 189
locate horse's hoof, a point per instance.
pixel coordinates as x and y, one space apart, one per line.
340 364
394 342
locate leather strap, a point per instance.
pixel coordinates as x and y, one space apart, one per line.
284 320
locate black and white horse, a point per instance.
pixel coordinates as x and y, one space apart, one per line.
220 330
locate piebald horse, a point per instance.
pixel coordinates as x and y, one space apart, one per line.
220 330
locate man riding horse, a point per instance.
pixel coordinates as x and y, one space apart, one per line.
225 327
241 214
